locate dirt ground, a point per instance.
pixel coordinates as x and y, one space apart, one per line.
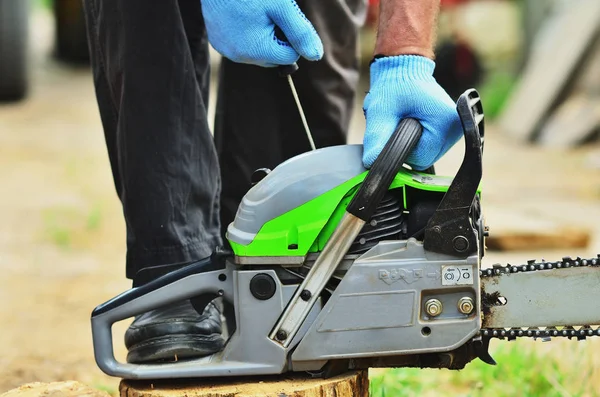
62 234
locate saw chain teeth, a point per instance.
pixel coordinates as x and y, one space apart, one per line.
547 333
579 332
532 266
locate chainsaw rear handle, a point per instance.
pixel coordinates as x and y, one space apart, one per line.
384 169
208 278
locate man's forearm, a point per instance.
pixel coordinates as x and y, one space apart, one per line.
407 27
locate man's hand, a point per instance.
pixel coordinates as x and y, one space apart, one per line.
402 84
244 31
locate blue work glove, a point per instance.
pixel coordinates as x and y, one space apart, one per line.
244 31
403 87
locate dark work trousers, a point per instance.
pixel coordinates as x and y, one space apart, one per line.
179 187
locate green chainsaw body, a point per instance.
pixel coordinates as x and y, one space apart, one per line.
307 227
331 266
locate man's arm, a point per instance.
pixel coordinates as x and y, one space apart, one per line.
403 86
407 27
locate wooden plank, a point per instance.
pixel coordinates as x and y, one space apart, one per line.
577 119
573 123
518 229
538 240
350 384
560 48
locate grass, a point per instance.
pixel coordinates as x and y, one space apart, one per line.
105 388
67 227
521 371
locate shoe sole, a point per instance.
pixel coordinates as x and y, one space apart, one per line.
171 348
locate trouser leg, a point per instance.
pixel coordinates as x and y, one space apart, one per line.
151 70
257 123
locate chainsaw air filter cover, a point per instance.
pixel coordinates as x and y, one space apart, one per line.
292 184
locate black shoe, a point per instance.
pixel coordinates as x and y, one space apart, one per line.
173 333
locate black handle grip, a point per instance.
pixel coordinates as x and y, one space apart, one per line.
286 70
385 168
214 262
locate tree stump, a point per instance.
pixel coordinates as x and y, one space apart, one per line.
349 384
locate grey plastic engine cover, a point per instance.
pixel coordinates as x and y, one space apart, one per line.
378 307
293 183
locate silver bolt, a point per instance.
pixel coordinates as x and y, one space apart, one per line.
433 307
465 305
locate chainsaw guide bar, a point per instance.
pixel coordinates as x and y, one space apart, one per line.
564 270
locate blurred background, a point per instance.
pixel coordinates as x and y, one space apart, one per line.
536 65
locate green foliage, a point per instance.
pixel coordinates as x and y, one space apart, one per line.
495 91
519 372
44 3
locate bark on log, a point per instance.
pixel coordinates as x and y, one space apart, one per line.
350 384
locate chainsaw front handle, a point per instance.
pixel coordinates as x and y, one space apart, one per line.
210 278
384 169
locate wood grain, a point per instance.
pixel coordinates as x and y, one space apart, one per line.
350 384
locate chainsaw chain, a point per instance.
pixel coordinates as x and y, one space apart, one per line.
580 332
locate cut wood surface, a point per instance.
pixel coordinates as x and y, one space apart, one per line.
350 384
55 389
574 122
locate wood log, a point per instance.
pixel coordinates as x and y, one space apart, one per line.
521 228
350 384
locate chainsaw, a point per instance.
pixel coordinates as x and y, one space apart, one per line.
332 267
